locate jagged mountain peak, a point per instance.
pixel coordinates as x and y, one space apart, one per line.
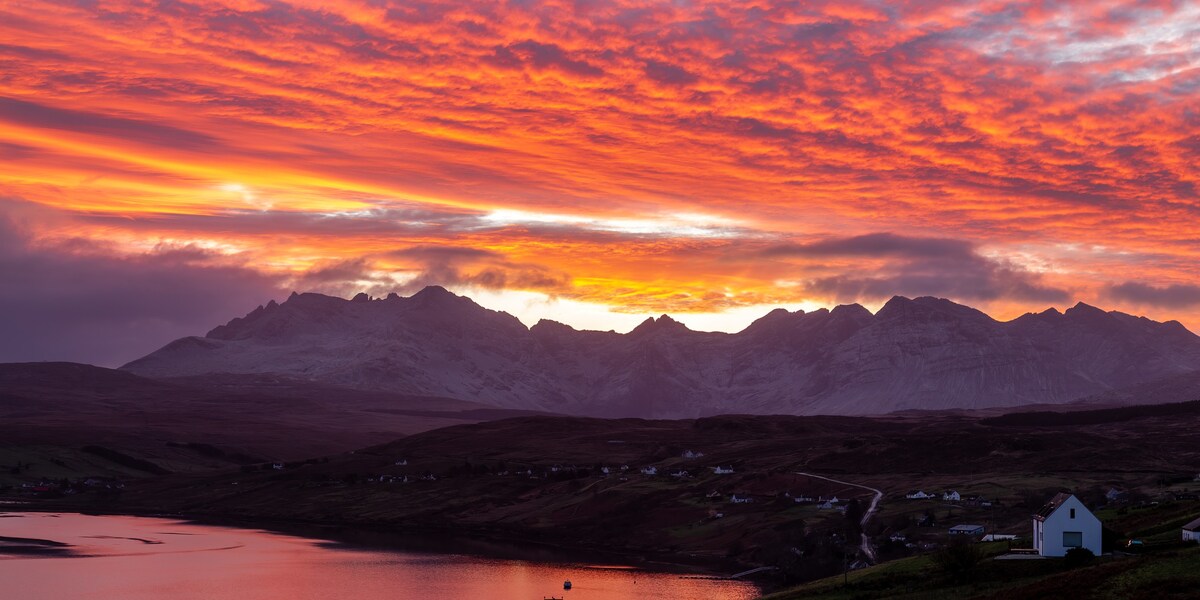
918 353
663 324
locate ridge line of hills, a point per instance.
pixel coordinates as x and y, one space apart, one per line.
913 354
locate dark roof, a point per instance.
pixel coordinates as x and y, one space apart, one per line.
1051 506
1193 526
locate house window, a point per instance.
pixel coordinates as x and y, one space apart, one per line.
1072 539
1072 513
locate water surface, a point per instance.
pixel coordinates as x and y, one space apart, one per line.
52 555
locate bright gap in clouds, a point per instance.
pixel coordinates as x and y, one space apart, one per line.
673 224
530 307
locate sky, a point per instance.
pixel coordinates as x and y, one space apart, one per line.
166 166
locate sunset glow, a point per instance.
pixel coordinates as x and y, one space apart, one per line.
595 162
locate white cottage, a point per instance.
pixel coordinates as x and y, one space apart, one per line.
917 495
1065 523
1191 531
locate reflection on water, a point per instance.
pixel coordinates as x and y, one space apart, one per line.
137 558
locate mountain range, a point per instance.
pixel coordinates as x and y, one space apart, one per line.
913 354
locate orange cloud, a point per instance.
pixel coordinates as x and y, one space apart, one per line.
638 155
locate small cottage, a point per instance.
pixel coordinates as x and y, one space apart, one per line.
917 495
1065 523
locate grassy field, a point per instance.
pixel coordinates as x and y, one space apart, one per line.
1165 569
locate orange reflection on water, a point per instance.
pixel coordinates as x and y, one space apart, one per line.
137 558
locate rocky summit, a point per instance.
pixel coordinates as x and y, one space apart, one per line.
913 354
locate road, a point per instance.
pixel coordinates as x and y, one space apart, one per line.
866 541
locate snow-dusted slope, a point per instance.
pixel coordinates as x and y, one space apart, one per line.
923 353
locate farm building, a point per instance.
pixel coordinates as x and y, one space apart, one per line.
1191 531
1065 523
966 530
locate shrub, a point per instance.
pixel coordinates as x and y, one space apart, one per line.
1078 557
958 561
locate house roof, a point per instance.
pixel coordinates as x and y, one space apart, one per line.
1051 506
1193 526
966 527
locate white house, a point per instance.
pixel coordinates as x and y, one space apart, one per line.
951 496
690 454
1191 531
650 470
679 474
736 499
1065 523
917 495
719 470
826 505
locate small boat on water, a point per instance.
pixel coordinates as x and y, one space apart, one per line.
567 584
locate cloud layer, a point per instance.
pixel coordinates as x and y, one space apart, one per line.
77 301
644 156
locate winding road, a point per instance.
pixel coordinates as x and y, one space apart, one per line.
866 541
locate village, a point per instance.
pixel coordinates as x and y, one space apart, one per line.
709 500
723 506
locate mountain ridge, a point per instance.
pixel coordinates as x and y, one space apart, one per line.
920 353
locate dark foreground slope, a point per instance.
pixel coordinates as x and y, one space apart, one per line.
914 354
49 412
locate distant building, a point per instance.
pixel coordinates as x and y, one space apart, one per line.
736 499
277 466
719 470
1065 523
649 470
951 496
998 537
917 495
826 505
690 454
966 530
679 474
1191 531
